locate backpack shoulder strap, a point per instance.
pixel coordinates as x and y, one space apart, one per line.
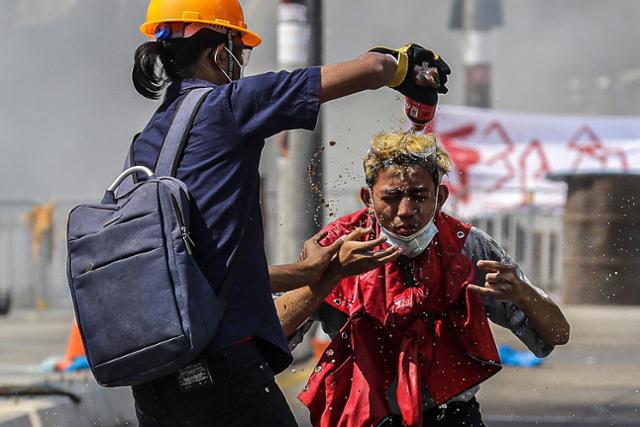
178 134
129 162
175 140
167 164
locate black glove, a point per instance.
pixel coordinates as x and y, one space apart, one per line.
410 56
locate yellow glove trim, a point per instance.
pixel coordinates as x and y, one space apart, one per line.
402 69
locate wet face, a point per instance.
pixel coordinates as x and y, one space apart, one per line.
404 198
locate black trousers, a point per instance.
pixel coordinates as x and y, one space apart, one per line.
455 414
239 390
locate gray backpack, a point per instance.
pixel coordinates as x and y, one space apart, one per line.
143 305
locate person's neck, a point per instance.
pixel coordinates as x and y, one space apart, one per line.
210 75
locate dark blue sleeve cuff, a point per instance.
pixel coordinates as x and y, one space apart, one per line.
313 98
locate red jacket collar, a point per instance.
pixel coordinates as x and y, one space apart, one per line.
435 334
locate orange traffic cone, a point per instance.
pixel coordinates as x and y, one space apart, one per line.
75 348
319 342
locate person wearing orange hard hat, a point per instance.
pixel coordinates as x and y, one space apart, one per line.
207 44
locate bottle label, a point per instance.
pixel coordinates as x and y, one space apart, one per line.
419 113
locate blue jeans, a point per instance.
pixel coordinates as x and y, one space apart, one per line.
240 390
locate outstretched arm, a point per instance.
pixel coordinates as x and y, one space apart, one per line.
314 260
369 71
296 306
412 70
354 257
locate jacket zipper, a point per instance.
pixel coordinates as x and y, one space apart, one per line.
186 237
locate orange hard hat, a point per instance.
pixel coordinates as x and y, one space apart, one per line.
219 14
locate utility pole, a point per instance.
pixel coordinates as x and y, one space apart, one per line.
476 19
300 204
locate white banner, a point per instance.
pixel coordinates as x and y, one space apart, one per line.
503 159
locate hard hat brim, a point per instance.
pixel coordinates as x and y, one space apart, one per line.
249 38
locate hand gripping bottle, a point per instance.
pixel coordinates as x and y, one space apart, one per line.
421 106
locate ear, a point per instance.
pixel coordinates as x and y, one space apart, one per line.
218 55
443 195
365 196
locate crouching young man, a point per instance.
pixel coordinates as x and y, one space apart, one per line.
410 338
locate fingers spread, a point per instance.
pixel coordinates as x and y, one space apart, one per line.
391 250
493 277
358 233
370 244
499 281
335 246
498 287
482 290
493 266
388 258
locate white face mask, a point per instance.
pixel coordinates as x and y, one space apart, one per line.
415 244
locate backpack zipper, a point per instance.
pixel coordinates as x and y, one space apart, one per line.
186 237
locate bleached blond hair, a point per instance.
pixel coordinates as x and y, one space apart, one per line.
405 149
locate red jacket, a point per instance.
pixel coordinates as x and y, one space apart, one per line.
435 334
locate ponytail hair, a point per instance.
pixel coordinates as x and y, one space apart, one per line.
148 76
158 63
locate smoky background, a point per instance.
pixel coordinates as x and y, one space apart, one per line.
68 112
68 109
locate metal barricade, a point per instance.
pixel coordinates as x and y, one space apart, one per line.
32 262
533 237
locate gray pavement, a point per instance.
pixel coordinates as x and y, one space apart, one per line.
46 399
27 337
593 381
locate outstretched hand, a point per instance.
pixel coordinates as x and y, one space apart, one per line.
357 257
501 282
